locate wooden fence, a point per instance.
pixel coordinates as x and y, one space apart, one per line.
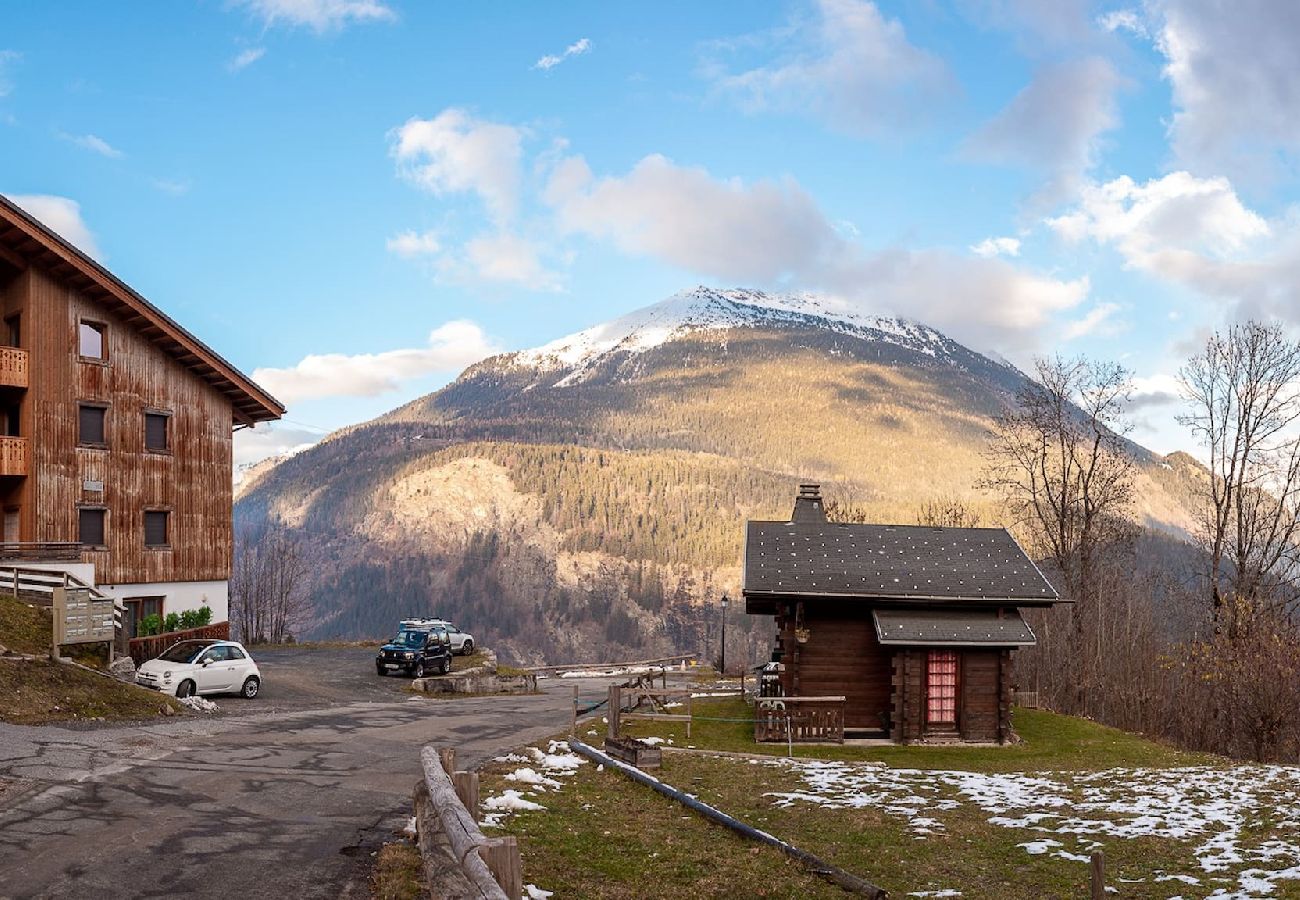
447 807
799 719
143 649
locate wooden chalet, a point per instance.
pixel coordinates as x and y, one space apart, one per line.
115 452
906 632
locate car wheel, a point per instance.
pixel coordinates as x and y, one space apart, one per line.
379 670
185 689
418 671
467 648
251 685
446 666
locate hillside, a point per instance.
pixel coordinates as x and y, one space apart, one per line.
587 497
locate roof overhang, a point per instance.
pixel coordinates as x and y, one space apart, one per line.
993 628
766 602
24 240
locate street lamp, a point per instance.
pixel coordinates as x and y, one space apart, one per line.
725 600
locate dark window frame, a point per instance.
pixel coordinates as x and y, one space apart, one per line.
167 528
103 407
102 329
103 525
166 416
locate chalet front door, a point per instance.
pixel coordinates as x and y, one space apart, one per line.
941 690
11 535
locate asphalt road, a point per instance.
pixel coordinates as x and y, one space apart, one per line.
283 796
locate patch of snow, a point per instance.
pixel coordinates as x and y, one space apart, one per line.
652 740
536 893
410 828
198 704
1037 848
945 892
512 800
533 777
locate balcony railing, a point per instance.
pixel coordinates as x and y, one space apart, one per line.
34 551
13 367
15 456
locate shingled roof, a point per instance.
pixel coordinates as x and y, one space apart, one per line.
903 563
951 627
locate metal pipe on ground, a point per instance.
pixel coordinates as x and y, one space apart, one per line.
814 864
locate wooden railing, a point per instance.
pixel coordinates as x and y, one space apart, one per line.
799 719
13 455
13 367
143 649
37 585
40 551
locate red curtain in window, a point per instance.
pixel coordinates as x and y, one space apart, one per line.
941 688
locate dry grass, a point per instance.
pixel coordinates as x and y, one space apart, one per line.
23 627
37 692
399 873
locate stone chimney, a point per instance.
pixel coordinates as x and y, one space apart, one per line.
808 505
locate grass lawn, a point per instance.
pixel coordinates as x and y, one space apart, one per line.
24 628
38 692
992 822
398 873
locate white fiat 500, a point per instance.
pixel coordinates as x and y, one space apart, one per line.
202 667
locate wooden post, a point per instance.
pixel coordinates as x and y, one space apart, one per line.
1098 875
615 707
742 682
573 718
447 756
466 784
502 858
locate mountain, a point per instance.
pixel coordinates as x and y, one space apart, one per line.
586 498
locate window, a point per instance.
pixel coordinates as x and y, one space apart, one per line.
90 525
137 608
155 431
941 688
92 340
13 330
155 528
90 425
234 653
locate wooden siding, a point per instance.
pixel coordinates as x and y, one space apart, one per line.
841 657
193 480
984 693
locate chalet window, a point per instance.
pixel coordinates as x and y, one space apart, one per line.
155 528
90 524
92 340
90 425
13 330
941 688
155 431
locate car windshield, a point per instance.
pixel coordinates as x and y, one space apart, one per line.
409 639
183 652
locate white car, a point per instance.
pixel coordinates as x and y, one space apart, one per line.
202 667
462 643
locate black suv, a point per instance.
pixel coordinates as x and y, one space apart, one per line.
417 653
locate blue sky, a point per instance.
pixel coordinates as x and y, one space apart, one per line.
353 199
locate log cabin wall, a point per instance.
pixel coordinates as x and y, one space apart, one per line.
191 480
841 657
984 695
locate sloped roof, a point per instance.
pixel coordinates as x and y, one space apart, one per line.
24 240
891 562
952 627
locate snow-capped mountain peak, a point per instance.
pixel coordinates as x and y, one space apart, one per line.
708 309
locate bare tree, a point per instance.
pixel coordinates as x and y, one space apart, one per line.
845 513
1244 390
1061 463
268 599
948 511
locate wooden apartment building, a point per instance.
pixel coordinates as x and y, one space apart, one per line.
115 432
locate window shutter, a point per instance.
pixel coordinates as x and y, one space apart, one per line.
155 529
155 431
91 527
91 425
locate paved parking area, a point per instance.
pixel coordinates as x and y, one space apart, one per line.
283 796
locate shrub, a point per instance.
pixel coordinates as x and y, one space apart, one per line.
203 616
150 625
172 622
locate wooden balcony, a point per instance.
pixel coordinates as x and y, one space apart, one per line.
15 456
13 367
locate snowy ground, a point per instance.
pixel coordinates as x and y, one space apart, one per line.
1241 824
540 776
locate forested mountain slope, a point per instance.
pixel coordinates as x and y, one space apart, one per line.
587 498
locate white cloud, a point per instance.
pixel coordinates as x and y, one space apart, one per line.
997 246
451 347
252 445
1157 224
412 244
454 152
550 61
62 216
773 233
319 15
1130 20
1159 389
245 58
1098 320
7 60
1236 84
848 65
174 186
1059 22
509 259
1054 124
96 144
